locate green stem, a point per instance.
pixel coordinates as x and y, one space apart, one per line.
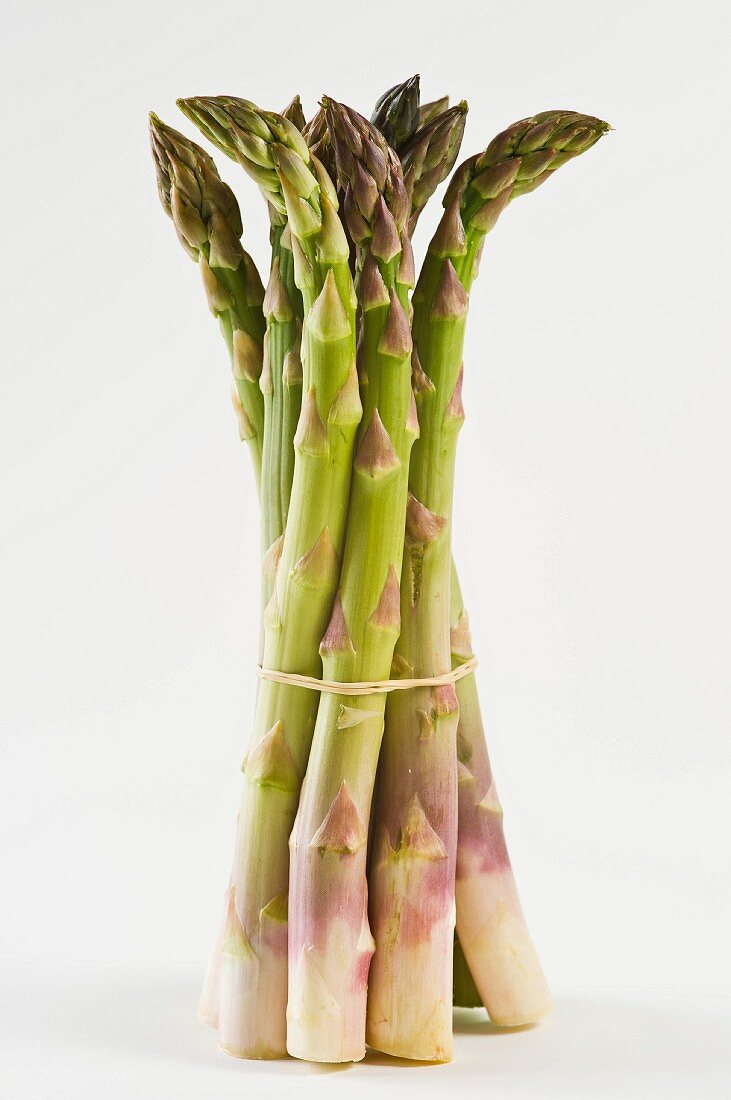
253 946
419 756
281 385
465 993
329 939
409 1009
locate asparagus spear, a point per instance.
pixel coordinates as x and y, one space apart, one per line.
506 964
412 873
207 220
430 155
253 993
189 185
281 381
281 386
399 105
427 154
330 945
527 999
396 113
427 139
464 991
505 973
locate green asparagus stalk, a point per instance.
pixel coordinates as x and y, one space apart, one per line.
281 386
330 945
464 992
285 357
413 870
505 973
187 178
207 220
253 980
281 381
507 968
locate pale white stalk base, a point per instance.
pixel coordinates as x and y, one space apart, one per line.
410 997
246 981
211 993
244 994
326 1021
497 946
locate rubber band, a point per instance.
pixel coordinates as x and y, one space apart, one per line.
367 687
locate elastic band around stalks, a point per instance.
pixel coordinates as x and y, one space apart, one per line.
367 687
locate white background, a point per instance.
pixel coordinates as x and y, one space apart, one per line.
592 531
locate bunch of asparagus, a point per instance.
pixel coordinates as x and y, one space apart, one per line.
369 820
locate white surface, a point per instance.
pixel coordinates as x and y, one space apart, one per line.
592 529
